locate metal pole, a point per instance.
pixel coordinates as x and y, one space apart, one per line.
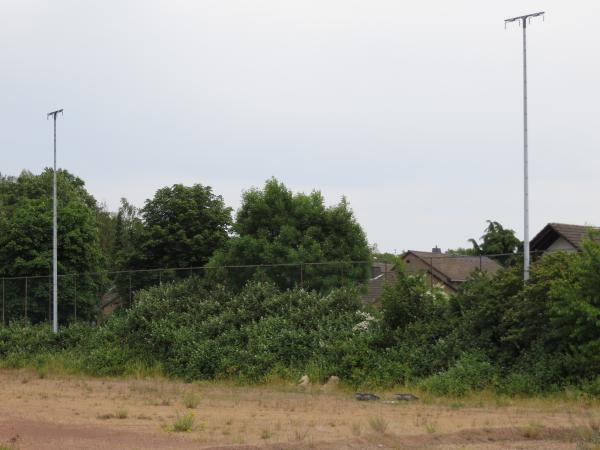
526 256
525 160
54 243
54 235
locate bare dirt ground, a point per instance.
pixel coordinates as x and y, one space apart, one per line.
64 412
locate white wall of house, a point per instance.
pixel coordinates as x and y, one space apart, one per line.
561 244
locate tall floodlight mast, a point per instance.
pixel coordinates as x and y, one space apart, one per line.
53 114
523 20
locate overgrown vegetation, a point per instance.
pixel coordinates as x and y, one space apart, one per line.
179 227
257 325
496 334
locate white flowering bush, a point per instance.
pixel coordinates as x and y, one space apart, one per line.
365 321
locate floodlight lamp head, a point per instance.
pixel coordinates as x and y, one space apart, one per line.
526 17
54 113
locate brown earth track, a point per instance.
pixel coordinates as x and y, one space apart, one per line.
64 412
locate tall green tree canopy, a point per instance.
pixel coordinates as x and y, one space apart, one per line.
498 241
181 226
276 226
26 225
128 231
26 237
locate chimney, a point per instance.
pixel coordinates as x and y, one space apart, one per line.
436 249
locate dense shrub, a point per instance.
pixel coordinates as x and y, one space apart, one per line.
193 333
21 338
470 372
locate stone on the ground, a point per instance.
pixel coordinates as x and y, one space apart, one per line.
304 381
331 384
365 397
333 381
406 397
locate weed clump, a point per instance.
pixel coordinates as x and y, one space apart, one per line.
183 423
378 424
191 400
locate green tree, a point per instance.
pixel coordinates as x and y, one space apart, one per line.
128 235
183 226
498 242
26 245
180 227
479 311
461 251
275 226
106 221
526 319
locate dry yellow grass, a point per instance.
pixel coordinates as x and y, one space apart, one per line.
72 412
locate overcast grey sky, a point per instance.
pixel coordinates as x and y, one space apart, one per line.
413 110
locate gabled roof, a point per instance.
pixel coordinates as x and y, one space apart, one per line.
456 268
573 234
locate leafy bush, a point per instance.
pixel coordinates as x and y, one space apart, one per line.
471 372
592 386
21 338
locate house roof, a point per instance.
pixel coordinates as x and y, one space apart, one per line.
456 268
383 266
447 269
573 234
376 284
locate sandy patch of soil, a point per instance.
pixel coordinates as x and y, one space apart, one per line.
76 412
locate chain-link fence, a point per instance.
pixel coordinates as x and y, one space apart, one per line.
91 296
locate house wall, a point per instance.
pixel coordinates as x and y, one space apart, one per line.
561 244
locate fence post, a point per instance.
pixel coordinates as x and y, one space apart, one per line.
25 297
76 297
130 288
49 299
